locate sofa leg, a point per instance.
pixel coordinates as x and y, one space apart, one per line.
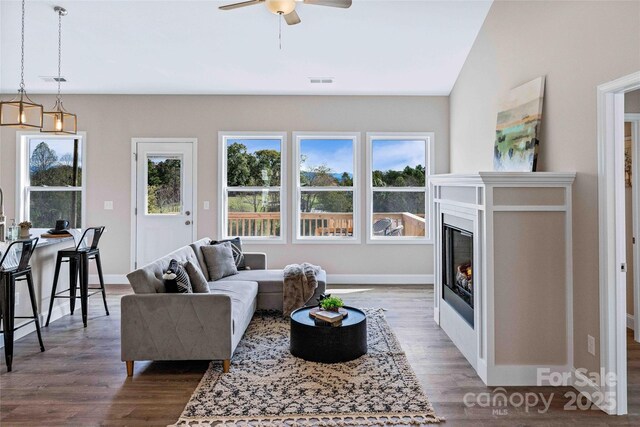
130 368
226 365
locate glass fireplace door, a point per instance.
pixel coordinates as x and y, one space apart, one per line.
458 270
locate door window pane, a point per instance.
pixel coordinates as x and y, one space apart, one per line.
55 162
326 162
398 163
253 162
164 185
254 213
398 213
46 207
326 213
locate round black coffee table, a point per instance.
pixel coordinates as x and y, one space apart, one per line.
328 344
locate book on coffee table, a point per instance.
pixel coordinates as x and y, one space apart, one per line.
328 316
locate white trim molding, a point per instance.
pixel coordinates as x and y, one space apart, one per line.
611 233
379 279
634 119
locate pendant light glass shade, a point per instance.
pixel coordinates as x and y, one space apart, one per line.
21 111
59 120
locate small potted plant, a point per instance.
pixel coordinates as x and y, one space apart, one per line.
331 303
25 227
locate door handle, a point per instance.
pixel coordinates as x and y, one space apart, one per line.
187 222
187 213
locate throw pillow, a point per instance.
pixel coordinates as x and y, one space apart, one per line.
176 279
198 281
236 247
219 260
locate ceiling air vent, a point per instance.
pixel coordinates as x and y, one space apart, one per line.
321 80
53 79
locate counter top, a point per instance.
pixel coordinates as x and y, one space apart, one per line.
43 242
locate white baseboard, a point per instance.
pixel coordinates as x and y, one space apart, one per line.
588 388
59 310
379 279
521 375
332 279
630 321
109 279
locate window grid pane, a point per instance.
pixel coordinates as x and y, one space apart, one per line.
253 187
326 213
164 185
254 213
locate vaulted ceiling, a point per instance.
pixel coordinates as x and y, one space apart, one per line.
191 47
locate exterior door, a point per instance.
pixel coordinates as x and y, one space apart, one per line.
164 219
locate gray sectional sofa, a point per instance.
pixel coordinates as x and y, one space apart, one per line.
160 326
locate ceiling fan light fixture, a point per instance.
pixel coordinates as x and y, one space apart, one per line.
281 7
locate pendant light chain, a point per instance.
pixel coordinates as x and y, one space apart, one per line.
59 52
22 53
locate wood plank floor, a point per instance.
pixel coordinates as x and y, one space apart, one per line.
80 380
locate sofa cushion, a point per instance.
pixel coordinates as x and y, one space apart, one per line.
176 279
236 247
198 281
269 281
243 296
196 250
148 279
219 260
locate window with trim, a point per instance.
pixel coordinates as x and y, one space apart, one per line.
51 180
252 173
398 169
326 202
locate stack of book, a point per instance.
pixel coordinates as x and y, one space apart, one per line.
326 317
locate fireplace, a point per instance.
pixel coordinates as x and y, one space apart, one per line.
457 269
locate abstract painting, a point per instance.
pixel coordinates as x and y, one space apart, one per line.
518 127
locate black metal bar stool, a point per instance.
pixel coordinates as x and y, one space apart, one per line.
78 259
9 275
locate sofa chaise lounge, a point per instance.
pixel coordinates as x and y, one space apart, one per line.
156 325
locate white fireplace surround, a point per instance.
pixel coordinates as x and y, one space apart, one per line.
522 271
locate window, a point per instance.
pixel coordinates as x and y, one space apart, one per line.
252 173
326 199
399 166
51 178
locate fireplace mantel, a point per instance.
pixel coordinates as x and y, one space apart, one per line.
522 271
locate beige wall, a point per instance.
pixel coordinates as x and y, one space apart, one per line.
111 122
577 46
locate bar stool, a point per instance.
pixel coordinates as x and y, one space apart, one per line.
78 259
10 274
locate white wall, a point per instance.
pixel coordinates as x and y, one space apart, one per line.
577 46
111 122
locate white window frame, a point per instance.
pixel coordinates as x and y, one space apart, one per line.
23 189
429 138
223 189
297 238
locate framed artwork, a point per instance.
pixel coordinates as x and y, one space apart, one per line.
518 127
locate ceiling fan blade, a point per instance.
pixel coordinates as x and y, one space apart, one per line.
332 3
239 5
292 18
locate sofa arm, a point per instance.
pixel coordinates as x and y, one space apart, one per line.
255 260
176 327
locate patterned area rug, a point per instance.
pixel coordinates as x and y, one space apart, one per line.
267 386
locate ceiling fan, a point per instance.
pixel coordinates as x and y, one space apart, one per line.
287 8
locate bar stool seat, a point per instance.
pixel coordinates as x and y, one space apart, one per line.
9 275
78 259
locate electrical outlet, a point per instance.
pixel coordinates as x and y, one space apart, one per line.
108 205
591 345
206 205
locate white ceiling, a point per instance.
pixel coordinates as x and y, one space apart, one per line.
190 47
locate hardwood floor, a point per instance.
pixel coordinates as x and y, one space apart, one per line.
80 380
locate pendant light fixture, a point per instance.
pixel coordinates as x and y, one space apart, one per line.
21 111
59 120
